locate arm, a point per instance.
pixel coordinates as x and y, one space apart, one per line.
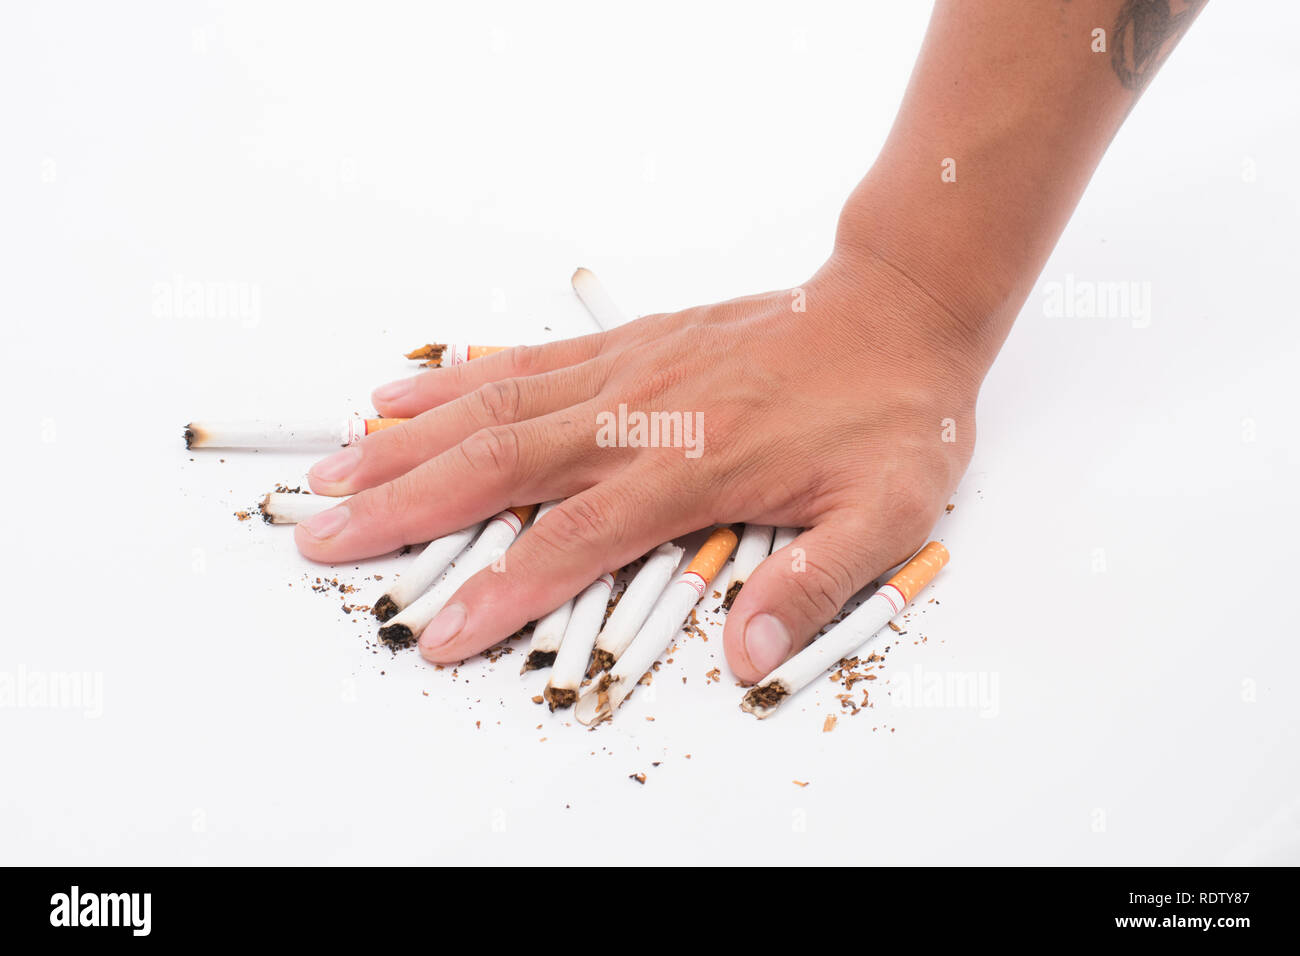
860 441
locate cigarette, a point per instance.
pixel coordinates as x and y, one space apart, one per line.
280 507
548 632
283 434
844 640
597 300
445 356
579 638
605 697
783 537
755 544
497 535
635 606
424 570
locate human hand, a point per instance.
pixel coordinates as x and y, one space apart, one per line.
852 419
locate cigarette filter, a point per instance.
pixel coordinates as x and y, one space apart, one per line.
605 697
597 300
579 638
496 536
281 507
283 434
849 635
635 606
424 570
445 356
754 546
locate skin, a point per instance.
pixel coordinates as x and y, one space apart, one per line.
860 441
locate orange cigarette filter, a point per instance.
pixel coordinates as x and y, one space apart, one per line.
920 571
445 356
713 554
379 424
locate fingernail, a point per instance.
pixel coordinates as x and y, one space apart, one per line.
338 465
327 523
445 625
767 642
393 390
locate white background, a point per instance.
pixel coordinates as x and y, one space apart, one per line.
382 175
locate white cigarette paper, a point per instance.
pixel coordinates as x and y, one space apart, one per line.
635 606
548 632
282 434
755 544
436 557
601 700
783 537
282 507
597 300
844 639
579 639
497 535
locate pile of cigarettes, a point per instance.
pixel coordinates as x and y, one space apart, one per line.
598 646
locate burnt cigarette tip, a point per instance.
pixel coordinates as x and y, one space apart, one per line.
601 660
190 435
537 660
264 509
559 697
385 608
762 700
398 635
731 594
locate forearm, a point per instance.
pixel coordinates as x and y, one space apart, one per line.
1009 110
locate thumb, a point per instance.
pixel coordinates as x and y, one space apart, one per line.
797 591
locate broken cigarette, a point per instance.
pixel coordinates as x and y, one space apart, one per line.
579 638
445 356
283 434
755 544
597 300
424 570
634 606
497 535
601 700
844 639
548 632
281 507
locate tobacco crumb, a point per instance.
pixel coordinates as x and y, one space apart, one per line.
638 777
800 783
948 510
537 699
829 724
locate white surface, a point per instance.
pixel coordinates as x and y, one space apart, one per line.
385 175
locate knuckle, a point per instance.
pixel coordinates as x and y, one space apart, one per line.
823 587
396 497
495 403
495 449
576 524
526 359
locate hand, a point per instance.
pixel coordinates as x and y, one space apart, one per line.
852 419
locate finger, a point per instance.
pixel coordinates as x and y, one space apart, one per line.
391 452
580 539
797 590
492 469
408 397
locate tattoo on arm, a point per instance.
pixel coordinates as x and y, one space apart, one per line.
1144 33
